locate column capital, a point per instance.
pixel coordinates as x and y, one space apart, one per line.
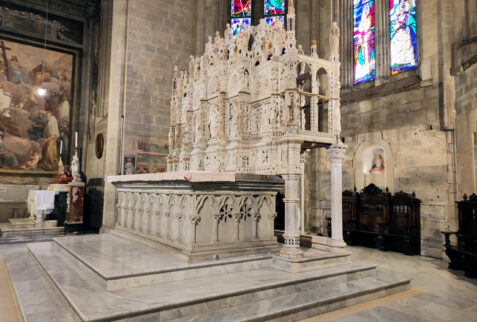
336 152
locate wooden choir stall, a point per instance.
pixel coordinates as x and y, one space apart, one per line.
379 219
463 255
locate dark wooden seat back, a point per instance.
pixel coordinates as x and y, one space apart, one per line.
350 200
373 208
468 216
405 214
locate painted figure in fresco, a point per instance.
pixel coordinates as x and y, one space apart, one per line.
33 162
19 74
66 144
5 100
49 160
35 132
63 109
363 48
9 125
8 160
51 128
378 166
403 37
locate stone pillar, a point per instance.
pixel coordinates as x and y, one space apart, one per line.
382 40
194 221
237 217
336 154
291 247
216 228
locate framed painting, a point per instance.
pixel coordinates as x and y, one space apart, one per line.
37 105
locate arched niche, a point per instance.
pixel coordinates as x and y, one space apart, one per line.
370 154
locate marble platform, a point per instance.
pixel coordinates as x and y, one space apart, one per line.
146 283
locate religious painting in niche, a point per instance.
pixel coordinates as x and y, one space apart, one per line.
378 162
129 164
35 107
364 46
402 18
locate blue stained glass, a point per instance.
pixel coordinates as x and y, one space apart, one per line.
238 25
364 45
274 20
402 16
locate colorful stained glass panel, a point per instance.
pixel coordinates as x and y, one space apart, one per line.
238 25
274 20
364 49
402 16
241 8
274 7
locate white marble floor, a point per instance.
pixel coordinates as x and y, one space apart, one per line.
437 294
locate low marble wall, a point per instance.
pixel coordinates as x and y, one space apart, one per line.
200 220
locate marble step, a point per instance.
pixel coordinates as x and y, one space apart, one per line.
92 302
38 298
292 307
10 231
119 263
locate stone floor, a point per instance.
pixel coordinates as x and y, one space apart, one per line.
437 294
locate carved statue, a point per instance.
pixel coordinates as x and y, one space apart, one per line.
334 40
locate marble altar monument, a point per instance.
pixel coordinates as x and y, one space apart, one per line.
240 108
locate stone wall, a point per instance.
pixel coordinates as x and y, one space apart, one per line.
158 35
466 130
151 35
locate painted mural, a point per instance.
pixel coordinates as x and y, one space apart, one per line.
35 107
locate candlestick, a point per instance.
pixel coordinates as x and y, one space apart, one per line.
76 140
61 147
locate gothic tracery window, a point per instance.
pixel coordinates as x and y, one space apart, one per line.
363 39
402 17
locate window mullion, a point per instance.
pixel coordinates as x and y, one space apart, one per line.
383 61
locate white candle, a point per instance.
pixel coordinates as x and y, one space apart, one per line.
61 147
76 139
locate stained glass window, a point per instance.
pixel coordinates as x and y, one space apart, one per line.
241 15
241 8
364 52
274 7
275 19
402 16
274 12
238 25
